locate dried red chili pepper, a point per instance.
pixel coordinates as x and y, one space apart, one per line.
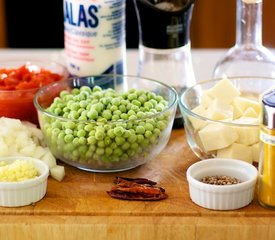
136 189
136 180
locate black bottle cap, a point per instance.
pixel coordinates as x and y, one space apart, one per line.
161 28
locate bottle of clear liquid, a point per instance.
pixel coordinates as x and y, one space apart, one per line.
164 43
248 57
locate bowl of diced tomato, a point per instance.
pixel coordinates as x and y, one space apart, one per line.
20 80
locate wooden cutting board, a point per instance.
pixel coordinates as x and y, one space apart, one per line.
79 208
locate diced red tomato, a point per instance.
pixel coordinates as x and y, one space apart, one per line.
22 78
18 104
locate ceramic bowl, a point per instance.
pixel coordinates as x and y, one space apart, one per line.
26 192
222 197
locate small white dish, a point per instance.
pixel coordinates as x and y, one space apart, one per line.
222 197
22 193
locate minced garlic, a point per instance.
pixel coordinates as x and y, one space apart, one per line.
17 171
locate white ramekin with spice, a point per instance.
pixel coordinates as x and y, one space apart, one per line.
222 184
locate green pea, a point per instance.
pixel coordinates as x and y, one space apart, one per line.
131 112
99 151
125 145
156 131
92 114
107 114
134 145
116 101
122 108
117 152
108 151
57 111
107 140
119 140
148 105
140 138
111 133
85 89
76 141
99 134
140 130
147 134
133 117
142 98
124 116
115 117
88 127
136 103
113 108
82 140
68 138
97 89
132 96
132 138
118 131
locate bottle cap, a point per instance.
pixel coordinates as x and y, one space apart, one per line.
269 109
164 27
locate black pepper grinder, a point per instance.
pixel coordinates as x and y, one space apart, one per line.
164 44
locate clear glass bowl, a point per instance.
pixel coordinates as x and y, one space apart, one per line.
106 153
251 87
19 103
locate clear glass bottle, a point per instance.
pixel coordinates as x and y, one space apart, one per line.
164 43
266 183
248 57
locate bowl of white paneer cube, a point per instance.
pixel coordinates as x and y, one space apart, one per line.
222 117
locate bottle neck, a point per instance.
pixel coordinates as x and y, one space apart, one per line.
249 23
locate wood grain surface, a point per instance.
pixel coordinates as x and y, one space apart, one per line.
79 208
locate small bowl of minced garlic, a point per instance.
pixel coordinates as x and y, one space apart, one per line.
23 181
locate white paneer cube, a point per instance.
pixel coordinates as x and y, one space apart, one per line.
216 136
247 135
236 151
206 100
198 123
245 103
255 152
219 110
247 120
224 91
250 112
237 111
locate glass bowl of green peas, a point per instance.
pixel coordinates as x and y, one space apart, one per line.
106 123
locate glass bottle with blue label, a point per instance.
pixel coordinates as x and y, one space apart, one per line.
94 35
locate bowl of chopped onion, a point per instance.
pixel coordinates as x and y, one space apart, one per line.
106 123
